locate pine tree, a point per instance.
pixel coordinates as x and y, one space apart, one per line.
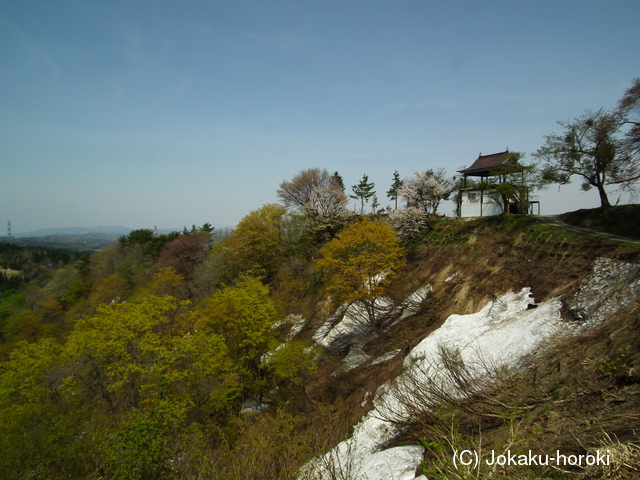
363 191
392 193
339 181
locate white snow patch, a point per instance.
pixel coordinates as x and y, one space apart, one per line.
357 357
610 286
500 335
252 406
451 277
398 463
387 356
354 359
297 324
353 328
412 303
351 325
503 332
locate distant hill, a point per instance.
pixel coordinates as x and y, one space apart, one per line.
44 232
81 242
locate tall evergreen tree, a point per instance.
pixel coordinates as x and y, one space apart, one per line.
339 181
392 193
363 191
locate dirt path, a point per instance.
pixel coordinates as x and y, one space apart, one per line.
555 221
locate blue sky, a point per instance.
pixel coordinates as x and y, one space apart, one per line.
143 113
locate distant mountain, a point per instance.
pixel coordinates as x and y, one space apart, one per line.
45 232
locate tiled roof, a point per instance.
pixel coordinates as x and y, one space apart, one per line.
486 163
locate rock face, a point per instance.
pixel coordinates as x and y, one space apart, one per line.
499 336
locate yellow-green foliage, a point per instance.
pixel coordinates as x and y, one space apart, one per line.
108 289
242 315
127 378
24 325
361 261
293 361
38 430
134 355
256 243
167 282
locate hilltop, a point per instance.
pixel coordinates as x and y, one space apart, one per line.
234 362
623 220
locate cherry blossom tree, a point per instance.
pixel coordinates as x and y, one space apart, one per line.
425 190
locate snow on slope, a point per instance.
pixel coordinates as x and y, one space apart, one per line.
505 331
350 324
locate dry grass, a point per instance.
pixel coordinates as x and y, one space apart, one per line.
623 461
561 402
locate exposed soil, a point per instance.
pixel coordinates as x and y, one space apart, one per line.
582 394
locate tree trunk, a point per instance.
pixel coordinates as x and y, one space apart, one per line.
604 199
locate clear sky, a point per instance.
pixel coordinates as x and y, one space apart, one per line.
167 113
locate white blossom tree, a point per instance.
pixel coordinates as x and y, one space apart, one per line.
314 192
425 190
409 222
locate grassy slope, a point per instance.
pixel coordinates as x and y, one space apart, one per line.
623 220
570 400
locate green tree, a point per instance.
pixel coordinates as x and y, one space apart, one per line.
363 191
147 240
256 245
339 181
292 362
628 113
167 282
242 315
392 193
109 289
601 147
374 204
361 262
24 325
587 148
10 303
137 355
41 431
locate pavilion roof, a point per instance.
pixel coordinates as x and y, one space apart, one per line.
492 165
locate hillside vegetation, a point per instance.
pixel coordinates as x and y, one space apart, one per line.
191 355
622 220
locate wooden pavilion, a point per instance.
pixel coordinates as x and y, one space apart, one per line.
484 197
